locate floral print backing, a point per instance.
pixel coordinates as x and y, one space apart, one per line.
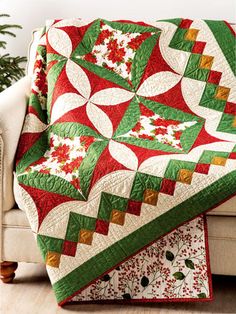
174 267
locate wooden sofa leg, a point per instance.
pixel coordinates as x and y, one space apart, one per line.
7 271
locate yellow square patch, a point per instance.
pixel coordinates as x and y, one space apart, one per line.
206 62
219 161
185 176
53 259
234 122
222 93
86 236
118 217
150 197
191 34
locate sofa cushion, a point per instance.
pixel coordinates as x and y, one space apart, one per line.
13 102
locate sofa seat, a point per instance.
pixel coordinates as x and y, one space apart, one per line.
20 245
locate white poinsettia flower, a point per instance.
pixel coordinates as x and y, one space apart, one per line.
158 83
123 155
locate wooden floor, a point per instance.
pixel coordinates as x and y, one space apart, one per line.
31 294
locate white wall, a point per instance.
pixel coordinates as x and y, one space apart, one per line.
32 13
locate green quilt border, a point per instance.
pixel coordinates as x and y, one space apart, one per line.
225 39
187 210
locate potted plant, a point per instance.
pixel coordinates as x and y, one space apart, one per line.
11 68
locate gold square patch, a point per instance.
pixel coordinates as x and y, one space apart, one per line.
53 259
150 197
185 176
191 34
206 62
118 217
234 123
219 161
222 93
86 236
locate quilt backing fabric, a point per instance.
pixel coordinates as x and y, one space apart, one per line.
129 137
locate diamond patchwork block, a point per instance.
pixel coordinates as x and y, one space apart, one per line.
102 227
185 176
222 92
86 236
191 34
219 161
117 217
134 207
150 197
168 186
143 182
53 259
69 248
206 62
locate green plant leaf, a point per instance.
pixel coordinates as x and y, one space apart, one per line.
169 256
126 296
201 295
179 275
189 263
144 281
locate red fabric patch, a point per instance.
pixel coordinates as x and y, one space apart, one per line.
69 248
214 77
102 227
134 207
232 155
202 168
230 108
27 140
198 47
168 186
186 23
45 201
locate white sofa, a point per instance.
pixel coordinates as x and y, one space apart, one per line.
16 239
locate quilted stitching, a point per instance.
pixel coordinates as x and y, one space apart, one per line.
130 131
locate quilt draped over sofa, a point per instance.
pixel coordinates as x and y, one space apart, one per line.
129 137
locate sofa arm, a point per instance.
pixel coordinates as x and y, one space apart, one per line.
13 103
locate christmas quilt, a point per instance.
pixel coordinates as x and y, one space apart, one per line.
129 138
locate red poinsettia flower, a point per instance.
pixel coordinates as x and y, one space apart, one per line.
61 153
112 45
41 82
51 142
163 122
46 171
38 64
76 183
137 127
70 167
159 131
145 111
116 55
128 66
90 57
86 141
134 43
102 36
146 137
178 134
